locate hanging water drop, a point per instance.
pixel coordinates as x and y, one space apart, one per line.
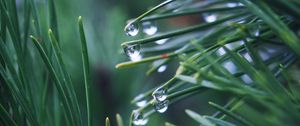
256 31
161 41
138 119
160 94
209 17
162 106
133 52
162 68
132 29
149 28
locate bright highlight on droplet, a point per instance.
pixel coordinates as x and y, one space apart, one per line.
132 29
160 94
162 68
161 107
136 58
161 41
149 28
138 119
133 52
210 17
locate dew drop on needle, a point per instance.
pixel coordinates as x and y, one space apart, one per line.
160 94
138 119
133 52
209 17
132 29
162 68
149 28
162 106
161 41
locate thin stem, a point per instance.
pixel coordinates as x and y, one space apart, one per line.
185 13
182 31
234 116
145 60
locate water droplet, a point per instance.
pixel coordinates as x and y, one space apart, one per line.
136 58
160 94
133 51
132 29
209 17
254 30
141 103
149 28
162 68
162 106
161 41
232 4
138 119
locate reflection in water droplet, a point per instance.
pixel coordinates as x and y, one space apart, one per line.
210 17
133 51
136 58
149 28
138 119
162 68
162 106
160 94
161 41
132 29
141 103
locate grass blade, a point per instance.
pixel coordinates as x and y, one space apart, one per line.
107 123
219 122
65 75
86 68
199 118
272 19
6 118
230 114
58 84
119 120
